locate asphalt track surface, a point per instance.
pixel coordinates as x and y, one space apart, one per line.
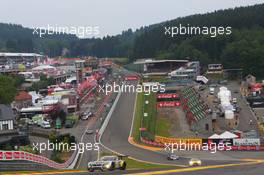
117 132
251 169
116 136
257 169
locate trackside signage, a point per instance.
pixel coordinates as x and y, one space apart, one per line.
161 96
131 78
161 139
246 142
168 104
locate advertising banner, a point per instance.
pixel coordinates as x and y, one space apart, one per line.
168 104
246 142
159 96
131 78
164 140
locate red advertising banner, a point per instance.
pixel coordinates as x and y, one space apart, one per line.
20 155
131 78
168 95
142 129
168 104
7 155
16 155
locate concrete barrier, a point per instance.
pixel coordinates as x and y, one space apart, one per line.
106 121
21 155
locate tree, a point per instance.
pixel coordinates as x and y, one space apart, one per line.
11 46
8 89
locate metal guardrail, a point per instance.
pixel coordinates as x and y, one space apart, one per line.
98 112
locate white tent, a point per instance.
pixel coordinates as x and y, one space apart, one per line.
222 88
43 67
69 80
228 135
214 136
58 89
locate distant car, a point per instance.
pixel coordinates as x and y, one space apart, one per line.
173 157
213 85
89 131
107 105
236 91
215 100
201 88
211 90
109 163
195 162
86 115
45 124
69 123
234 100
223 82
236 108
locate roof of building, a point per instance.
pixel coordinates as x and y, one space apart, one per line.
23 95
215 136
145 61
6 112
42 67
228 135
8 54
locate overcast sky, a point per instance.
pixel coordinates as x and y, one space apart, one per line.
112 16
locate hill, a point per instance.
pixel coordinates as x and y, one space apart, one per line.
243 48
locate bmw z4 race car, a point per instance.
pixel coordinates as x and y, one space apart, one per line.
108 163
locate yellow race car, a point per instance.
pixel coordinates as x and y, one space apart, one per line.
195 162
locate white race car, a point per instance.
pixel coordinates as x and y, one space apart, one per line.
107 163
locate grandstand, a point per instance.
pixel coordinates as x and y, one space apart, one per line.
160 67
196 110
17 58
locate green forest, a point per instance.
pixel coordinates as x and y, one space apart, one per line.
244 48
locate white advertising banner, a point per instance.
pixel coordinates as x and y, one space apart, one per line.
246 142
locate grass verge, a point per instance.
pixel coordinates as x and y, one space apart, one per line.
137 118
149 121
163 126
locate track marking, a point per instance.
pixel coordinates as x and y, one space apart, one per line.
43 173
151 148
197 168
133 118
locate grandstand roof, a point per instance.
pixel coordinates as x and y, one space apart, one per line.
9 54
145 61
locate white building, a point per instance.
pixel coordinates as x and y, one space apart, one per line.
190 71
7 118
7 58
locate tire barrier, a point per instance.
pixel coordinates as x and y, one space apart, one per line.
160 142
